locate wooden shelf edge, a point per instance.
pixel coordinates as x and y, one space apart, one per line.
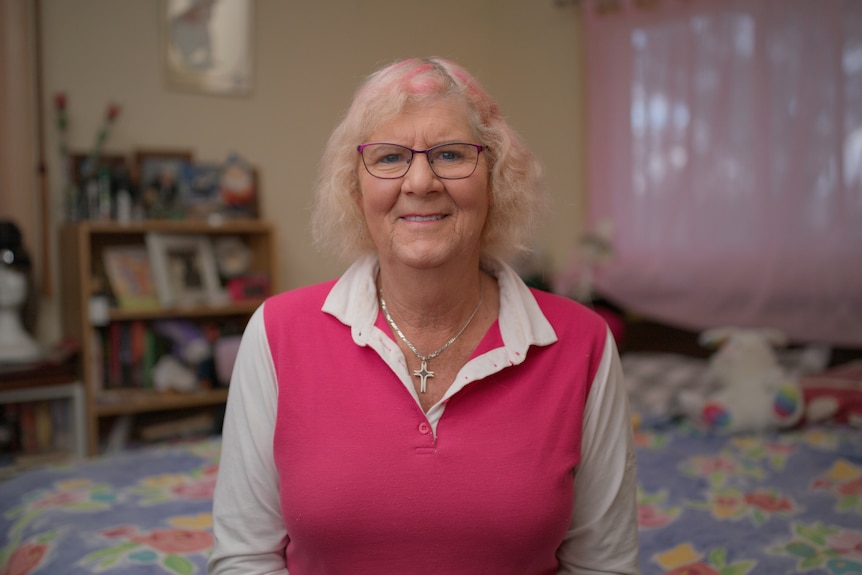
174 226
233 308
123 401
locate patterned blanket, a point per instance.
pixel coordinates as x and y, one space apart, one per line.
783 503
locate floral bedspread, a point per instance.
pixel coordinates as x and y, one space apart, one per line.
783 503
143 512
775 504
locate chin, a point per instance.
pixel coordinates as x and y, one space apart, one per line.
423 258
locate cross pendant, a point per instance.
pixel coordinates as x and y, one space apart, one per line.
423 374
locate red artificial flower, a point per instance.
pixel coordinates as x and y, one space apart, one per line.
113 112
60 100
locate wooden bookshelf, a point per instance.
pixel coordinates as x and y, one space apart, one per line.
85 283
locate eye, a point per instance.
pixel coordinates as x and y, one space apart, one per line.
391 158
387 154
448 154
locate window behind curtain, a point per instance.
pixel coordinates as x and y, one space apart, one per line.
725 143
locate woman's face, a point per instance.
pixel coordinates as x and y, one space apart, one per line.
421 220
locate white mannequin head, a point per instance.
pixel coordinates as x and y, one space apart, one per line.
13 288
16 345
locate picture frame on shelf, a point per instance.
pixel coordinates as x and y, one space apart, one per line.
199 182
225 189
130 276
159 175
184 269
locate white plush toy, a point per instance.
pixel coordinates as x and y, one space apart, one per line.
751 391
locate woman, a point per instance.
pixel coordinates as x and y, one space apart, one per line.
426 412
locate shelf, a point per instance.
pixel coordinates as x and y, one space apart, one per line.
244 307
129 401
175 226
70 390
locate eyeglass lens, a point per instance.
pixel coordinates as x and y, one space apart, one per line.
447 161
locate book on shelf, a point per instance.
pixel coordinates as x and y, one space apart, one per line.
33 428
128 351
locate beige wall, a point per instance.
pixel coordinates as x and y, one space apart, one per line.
19 186
309 57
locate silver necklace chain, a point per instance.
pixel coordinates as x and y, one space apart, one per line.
422 373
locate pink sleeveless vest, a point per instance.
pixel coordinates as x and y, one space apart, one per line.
367 489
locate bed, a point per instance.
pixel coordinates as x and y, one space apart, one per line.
788 502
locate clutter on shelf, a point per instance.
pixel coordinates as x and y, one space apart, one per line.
150 183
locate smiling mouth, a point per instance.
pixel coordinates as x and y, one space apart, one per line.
423 218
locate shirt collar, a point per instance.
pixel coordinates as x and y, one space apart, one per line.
353 301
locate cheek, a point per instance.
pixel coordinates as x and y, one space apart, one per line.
376 197
477 200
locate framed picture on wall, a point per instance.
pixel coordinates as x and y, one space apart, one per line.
184 269
207 45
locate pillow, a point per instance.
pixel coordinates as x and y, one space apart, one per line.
834 395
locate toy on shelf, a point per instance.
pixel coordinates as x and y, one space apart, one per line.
190 353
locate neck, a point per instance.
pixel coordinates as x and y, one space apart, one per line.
430 299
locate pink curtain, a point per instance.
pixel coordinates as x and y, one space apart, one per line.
725 147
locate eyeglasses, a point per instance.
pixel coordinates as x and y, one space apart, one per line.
454 161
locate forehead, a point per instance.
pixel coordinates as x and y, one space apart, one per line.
441 119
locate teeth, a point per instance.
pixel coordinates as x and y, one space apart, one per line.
423 218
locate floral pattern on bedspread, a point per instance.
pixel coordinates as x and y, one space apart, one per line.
777 503
780 503
140 512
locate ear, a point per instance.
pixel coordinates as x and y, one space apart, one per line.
716 336
774 336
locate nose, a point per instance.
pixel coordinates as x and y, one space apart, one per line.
420 178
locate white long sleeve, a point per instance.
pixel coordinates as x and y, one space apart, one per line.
250 536
603 535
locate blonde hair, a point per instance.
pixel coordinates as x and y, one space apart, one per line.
515 176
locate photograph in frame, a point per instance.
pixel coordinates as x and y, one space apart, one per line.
222 190
159 174
184 269
200 194
129 274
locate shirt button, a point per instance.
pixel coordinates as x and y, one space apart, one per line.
424 428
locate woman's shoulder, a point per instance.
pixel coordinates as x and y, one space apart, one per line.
564 311
307 298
